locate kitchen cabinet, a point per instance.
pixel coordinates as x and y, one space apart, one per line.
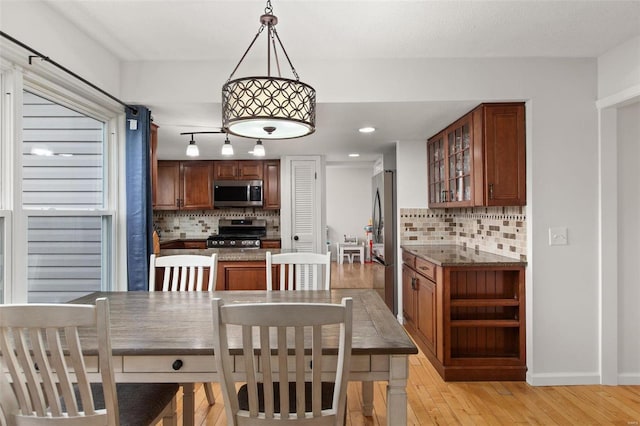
245 275
420 309
184 185
184 244
270 244
479 160
468 319
237 169
271 185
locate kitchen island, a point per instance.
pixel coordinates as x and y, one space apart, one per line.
238 268
466 310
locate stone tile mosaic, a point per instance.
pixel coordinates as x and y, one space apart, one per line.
497 230
199 224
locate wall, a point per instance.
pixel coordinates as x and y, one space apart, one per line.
38 26
619 69
562 281
618 96
348 200
628 247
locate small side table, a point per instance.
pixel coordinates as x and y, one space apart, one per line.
350 250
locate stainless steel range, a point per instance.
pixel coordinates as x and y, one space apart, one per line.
240 233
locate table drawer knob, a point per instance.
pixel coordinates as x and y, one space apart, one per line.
177 364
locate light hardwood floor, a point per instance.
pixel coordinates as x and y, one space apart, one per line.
435 402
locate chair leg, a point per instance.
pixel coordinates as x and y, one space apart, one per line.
208 390
170 414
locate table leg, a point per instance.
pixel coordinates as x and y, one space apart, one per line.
397 390
188 404
367 398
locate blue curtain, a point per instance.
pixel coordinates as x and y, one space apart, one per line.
139 210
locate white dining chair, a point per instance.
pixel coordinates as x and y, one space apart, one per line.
277 336
186 272
183 272
42 355
300 271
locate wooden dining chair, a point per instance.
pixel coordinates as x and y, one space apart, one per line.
277 336
300 271
41 353
186 272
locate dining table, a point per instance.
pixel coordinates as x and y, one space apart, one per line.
167 337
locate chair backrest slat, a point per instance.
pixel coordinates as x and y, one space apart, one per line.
300 271
183 272
283 368
77 363
297 329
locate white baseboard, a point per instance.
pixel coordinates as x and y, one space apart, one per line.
563 379
569 379
629 379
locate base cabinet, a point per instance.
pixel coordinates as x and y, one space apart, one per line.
468 320
427 315
245 275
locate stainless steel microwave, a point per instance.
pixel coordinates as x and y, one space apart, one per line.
237 193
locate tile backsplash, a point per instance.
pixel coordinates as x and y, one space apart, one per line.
199 224
497 230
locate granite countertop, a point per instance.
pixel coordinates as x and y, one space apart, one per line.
454 255
226 254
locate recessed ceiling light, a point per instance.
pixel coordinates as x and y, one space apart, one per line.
354 154
367 129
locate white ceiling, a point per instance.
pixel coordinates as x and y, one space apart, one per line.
183 30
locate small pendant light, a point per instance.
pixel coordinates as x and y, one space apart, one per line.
227 149
258 150
192 148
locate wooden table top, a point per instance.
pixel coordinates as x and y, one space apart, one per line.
171 323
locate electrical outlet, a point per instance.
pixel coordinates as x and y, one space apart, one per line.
558 236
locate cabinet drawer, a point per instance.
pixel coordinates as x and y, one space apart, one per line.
426 268
408 259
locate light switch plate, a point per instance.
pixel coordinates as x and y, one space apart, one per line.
558 236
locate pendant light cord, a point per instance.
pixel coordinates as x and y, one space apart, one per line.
272 34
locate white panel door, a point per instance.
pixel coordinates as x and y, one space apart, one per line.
305 209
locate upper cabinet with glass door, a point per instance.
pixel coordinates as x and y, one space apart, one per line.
479 160
450 165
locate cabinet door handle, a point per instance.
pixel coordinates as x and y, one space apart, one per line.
491 191
413 283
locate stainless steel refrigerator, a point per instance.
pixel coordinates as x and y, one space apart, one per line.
384 235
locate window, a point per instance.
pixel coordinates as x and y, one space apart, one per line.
62 164
2 259
68 229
